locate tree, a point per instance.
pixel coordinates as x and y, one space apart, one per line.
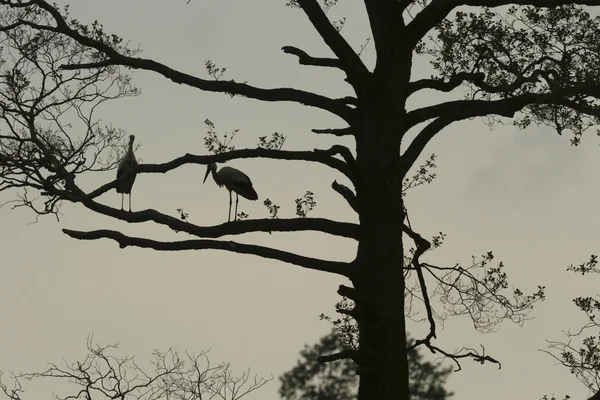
580 353
102 374
533 62
312 379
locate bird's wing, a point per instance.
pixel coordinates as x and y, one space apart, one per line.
240 178
124 165
121 168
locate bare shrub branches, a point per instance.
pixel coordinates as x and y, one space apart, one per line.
103 374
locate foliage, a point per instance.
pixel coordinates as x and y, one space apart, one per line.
521 51
274 143
314 380
305 204
580 353
213 143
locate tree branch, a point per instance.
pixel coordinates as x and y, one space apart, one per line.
342 151
453 111
317 155
422 246
415 148
336 107
305 59
346 194
342 229
439 84
350 61
461 109
333 267
342 355
337 132
437 10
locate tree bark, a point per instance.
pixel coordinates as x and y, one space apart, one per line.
382 343
379 280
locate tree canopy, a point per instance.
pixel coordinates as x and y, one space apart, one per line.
523 62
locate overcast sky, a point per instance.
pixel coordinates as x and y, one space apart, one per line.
527 195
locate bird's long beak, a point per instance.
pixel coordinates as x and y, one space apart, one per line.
206 175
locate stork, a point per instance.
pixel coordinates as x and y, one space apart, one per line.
127 166
232 179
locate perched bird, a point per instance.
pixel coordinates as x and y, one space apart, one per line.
127 165
232 179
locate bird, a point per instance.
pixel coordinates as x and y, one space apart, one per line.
233 180
127 165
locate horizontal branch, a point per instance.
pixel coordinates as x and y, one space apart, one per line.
336 131
230 87
333 267
342 355
342 151
342 229
442 86
462 109
318 155
305 59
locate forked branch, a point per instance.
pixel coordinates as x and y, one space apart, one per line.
334 267
422 246
351 63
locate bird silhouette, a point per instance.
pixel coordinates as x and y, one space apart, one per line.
127 166
233 180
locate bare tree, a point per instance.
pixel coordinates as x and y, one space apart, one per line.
104 375
535 62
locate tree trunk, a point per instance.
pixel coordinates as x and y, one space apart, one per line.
379 281
382 342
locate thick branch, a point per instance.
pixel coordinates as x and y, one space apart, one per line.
115 58
342 151
342 229
346 193
305 59
317 155
462 109
419 142
453 111
437 10
337 131
387 25
342 355
351 63
333 267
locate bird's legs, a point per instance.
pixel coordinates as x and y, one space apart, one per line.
129 201
237 200
229 214
122 199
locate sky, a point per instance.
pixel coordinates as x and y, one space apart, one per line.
527 195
